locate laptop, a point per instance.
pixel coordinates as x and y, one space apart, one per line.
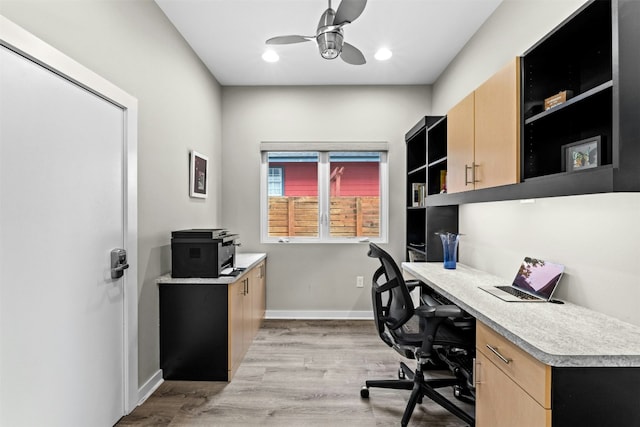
536 281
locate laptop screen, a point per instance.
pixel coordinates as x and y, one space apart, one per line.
538 277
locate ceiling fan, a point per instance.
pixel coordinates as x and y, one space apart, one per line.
329 34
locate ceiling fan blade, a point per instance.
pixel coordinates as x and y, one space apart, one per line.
288 39
352 55
348 11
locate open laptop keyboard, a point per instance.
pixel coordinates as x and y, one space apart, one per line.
517 293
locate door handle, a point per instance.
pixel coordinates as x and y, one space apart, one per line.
118 263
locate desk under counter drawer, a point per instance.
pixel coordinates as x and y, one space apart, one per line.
512 387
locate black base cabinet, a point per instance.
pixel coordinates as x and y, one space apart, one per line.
194 332
595 397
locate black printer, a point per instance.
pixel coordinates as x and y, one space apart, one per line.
202 252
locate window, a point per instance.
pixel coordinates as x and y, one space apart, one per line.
329 194
276 181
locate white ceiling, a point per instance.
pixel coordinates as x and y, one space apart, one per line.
229 36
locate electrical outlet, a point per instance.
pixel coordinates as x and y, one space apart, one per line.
359 282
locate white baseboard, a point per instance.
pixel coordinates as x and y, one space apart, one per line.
319 314
150 386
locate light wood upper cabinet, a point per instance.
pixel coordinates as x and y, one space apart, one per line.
483 134
497 128
460 144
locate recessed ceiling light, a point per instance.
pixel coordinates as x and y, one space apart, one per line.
270 56
383 54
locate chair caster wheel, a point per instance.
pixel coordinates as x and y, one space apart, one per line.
401 374
463 395
364 392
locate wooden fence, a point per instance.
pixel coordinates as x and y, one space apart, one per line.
349 216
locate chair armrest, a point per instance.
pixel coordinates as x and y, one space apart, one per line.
412 284
427 311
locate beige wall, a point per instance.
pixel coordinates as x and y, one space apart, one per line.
132 44
314 277
596 236
514 27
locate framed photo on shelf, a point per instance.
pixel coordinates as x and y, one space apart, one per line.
583 154
198 175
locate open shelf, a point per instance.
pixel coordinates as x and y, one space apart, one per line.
571 102
576 56
426 159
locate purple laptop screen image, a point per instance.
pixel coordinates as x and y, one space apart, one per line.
538 277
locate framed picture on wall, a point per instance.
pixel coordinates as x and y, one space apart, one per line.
583 154
199 175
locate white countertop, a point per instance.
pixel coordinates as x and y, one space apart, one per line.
246 261
563 335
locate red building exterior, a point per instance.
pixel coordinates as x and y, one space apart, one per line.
347 178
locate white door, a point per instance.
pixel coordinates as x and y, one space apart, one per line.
62 185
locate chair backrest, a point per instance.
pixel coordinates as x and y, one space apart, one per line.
392 304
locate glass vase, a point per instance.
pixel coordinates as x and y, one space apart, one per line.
449 249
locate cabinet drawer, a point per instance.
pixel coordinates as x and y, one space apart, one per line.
533 376
500 402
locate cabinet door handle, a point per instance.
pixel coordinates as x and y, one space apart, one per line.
497 353
473 173
475 380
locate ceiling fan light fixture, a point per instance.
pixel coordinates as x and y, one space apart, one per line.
330 44
383 54
270 56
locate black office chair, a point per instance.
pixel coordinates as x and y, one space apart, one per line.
436 335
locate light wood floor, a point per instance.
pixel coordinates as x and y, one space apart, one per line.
296 373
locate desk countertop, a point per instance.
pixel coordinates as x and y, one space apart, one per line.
562 335
246 261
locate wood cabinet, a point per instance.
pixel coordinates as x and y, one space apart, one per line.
512 388
238 312
483 134
461 145
497 128
207 326
500 401
260 295
515 389
246 311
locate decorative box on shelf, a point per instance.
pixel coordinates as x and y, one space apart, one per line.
557 99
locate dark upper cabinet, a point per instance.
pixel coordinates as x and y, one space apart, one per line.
594 54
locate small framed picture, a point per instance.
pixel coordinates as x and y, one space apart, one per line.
583 154
199 175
